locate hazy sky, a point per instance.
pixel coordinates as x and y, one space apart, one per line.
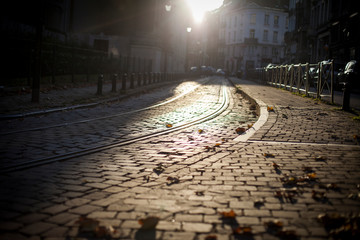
199 7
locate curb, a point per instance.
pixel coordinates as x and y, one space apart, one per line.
261 109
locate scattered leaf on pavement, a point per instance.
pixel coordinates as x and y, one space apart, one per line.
270 109
269 155
200 131
147 178
319 196
149 222
169 125
259 203
240 130
172 180
91 226
311 175
211 237
320 158
159 169
242 230
275 165
230 214
250 125
199 193
87 224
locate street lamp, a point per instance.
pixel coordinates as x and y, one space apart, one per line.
188 30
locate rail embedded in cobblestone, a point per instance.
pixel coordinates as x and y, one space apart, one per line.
223 105
113 115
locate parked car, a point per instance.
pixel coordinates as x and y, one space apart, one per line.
350 74
220 72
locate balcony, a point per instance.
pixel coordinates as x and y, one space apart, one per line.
251 41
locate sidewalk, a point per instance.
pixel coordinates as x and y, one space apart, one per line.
296 177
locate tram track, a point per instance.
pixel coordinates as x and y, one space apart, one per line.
223 105
109 116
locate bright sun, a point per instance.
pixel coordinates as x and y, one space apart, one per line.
199 7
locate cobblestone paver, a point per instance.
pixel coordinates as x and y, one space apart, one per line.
203 184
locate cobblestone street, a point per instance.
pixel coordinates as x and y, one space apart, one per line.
294 174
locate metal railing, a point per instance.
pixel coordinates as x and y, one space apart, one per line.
316 80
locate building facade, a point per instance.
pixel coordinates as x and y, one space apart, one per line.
251 34
322 30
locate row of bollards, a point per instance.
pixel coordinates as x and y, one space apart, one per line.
141 79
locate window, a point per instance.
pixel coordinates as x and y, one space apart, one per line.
264 52
274 52
266 33
235 21
253 18
252 33
266 20
276 21
275 36
229 37
234 37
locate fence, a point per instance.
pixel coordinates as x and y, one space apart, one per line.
316 80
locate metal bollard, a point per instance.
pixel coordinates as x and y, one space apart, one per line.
346 96
100 84
114 80
151 78
139 79
146 76
123 81
132 79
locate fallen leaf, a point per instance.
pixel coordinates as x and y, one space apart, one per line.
275 165
230 214
199 193
250 125
87 224
242 230
320 158
149 222
318 195
172 180
268 155
274 224
159 169
169 125
217 144
240 130
311 175
258 203
354 196
147 178
200 131
270 109
211 237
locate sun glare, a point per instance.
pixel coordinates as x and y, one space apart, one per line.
200 7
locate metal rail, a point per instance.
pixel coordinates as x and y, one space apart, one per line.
34 163
316 80
109 116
